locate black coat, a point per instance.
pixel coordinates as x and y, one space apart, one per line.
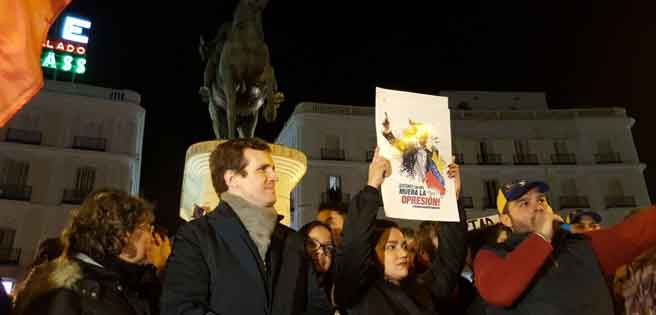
215 268
71 286
359 284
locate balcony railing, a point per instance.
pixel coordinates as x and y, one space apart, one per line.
10 256
370 155
74 196
333 196
620 201
467 202
525 159
332 154
608 158
566 158
23 136
489 159
89 143
16 192
574 202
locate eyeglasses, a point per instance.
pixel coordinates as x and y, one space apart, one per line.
312 245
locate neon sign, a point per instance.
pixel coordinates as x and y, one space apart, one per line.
68 54
66 63
73 28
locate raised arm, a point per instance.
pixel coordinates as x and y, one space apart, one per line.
622 243
449 258
353 272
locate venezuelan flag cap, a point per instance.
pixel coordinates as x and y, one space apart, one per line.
517 189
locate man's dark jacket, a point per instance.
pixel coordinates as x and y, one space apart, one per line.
215 268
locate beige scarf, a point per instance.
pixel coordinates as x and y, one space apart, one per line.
259 222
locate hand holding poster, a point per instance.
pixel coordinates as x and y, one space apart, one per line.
413 132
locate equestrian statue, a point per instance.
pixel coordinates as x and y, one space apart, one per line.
239 78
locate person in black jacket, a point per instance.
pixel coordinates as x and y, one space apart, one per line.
371 275
104 256
320 249
238 259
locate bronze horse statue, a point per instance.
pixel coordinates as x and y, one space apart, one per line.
239 78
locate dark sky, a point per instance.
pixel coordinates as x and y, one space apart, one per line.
582 53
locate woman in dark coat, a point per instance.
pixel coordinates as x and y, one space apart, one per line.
102 264
320 249
371 275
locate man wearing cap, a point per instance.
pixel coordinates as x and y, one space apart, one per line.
542 269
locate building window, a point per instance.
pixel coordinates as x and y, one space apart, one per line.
560 147
13 180
487 155
616 198
85 178
331 149
605 153
561 153
334 183
523 154
570 197
91 137
84 181
491 187
334 195
8 254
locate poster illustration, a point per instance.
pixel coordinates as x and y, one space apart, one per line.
413 132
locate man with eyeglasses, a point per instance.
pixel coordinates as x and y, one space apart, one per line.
542 269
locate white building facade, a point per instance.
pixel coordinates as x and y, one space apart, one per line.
587 156
67 141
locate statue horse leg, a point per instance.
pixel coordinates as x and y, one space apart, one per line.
219 121
247 125
230 88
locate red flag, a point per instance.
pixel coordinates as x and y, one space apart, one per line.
24 25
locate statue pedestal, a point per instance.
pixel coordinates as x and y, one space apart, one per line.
197 188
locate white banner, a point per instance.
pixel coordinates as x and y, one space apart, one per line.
414 133
479 223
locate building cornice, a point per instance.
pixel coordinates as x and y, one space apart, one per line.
36 150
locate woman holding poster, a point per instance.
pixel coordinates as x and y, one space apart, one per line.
371 275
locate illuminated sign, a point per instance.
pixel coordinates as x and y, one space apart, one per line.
65 63
65 47
72 29
68 53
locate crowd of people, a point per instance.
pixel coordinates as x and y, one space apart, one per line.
239 258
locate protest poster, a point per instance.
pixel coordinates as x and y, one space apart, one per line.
414 134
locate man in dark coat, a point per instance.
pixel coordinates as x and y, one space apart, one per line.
238 259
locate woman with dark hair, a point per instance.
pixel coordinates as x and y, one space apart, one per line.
371 275
105 249
320 249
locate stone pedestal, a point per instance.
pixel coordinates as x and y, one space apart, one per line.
197 188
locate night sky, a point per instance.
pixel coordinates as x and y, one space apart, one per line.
582 53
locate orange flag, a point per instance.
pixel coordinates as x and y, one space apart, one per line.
24 25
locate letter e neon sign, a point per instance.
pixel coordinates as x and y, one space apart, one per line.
73 28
